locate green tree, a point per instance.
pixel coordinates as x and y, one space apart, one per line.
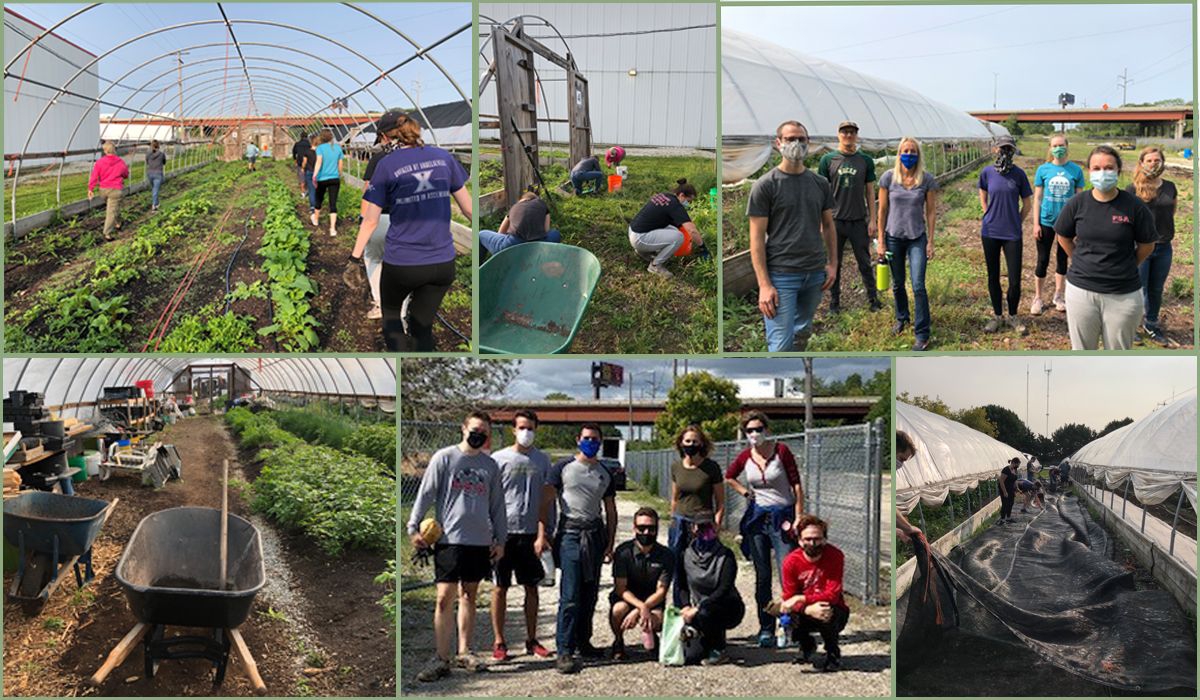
976 418
446 388
558 396
1114 425
1014 127
701 398
1010 429
1069 438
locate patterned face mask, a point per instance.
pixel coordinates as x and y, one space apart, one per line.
1004 160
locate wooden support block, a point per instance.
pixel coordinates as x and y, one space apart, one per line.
243 652
117 656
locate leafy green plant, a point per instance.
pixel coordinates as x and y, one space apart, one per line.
285 255
209 331
389 601
376 441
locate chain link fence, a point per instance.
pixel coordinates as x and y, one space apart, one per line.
840 472
418 441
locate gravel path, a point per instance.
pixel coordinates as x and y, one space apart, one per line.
759 672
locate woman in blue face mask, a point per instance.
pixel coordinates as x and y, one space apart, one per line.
697 486
1107 233
907 216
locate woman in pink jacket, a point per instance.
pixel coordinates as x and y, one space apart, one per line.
109 174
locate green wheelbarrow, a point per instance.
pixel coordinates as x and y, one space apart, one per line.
532 297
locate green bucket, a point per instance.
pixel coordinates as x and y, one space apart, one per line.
77 462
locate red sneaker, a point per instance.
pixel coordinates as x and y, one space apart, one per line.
500 651
535 647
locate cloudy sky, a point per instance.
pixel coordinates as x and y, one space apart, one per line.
573 377
950 52
1088 390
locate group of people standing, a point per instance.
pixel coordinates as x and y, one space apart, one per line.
496 514
1111 247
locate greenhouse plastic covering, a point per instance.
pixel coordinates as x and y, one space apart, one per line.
765 84
64 381
1157 452
1040 607
951 458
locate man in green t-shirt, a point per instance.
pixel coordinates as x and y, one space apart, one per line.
852 176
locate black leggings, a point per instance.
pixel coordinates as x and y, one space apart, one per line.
332 187
1044 244
1006 504
1012 260
423 286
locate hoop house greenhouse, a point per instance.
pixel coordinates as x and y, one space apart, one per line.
156 149
251 501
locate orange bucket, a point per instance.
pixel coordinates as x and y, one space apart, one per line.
688 243
614 183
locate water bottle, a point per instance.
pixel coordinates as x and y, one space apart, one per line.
782 634
883 272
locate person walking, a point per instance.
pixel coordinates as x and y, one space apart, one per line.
464 487
415 182
1107 233
302 154
851 175
156 162
528 221
1054 182
713 603
523 471
696 487
1008 490
658 229
792 238
374 250
327 178
1160 195
774 505
907 219
108 175
251 154
1005 195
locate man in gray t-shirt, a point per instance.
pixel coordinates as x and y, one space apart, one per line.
463 486
583 542
792 240
156 160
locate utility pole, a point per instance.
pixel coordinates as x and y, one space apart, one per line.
1123 82
179 81
1026 393
1048 368
630 407
995 88
808 401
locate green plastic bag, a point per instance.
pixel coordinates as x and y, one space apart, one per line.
670 650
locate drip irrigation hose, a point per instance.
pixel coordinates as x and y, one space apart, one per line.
232 259
452 329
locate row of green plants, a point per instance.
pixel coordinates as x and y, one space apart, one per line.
211 329
321 425
285 259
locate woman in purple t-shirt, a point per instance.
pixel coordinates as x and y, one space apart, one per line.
1006 198
416 183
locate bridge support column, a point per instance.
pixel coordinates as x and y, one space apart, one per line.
1179 125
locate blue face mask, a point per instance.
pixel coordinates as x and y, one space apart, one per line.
590 447
1104 180
909 160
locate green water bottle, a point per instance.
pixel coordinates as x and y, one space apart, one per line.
883 272
714 199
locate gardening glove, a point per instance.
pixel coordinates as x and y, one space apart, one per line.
421 557
355 275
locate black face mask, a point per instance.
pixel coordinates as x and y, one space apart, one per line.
1004 160
814 550
476 439
690 450
646 538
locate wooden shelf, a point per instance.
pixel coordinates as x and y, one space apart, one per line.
35 460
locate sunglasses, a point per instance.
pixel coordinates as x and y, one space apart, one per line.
754 430
646 529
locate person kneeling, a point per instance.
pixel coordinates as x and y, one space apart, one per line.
716 606
528 221
642 572
812 593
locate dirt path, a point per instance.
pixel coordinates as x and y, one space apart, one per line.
299 620
760 672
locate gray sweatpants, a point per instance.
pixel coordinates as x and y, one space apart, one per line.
661 244
1092 316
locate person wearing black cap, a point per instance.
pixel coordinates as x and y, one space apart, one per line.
715 605
373 253
852 177
415 182
1007 200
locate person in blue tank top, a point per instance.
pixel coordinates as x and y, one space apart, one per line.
327 178
1055 181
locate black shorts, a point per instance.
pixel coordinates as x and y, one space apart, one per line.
520 560
453 563
613 599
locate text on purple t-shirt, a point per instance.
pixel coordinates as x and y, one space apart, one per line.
415 185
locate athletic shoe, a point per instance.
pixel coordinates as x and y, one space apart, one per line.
659 270
535 648
992 325
500 651
1060 303
898 327
835 309
1036 307
468 662
716 658
1014 322
766 640
1156 334
313 218
590 652
436 669
567 664
617 653
375 313
832 662
874 305
920 345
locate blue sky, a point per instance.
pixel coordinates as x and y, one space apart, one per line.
1088 390
306 90
950 52
573 377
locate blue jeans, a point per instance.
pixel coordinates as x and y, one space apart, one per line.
494 242
312 190
765 539
576 599
799 295
156 181
577 179
678 539
914 251
1154 271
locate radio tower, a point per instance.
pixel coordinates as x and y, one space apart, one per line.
1047 368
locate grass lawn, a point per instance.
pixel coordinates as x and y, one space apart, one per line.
632 310
956 280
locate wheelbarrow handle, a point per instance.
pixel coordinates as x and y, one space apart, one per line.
108 511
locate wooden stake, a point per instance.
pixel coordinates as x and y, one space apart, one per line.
224 523
118 655
243 652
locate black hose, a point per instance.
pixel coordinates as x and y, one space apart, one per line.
229 267
452 329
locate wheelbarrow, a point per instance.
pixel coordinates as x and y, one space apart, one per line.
171 574
52 533
532 297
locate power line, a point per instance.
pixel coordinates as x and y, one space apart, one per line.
922 30
606 35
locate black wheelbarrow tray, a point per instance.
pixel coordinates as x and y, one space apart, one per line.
51 533
170 570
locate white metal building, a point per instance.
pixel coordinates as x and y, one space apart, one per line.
651 69
52 62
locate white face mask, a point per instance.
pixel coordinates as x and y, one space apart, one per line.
794 150
525 437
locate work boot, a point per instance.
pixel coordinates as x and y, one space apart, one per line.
567 664
898 327
875 304
436 669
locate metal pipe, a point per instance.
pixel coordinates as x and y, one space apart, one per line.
1175 522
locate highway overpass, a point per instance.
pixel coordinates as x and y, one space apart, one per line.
645 411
